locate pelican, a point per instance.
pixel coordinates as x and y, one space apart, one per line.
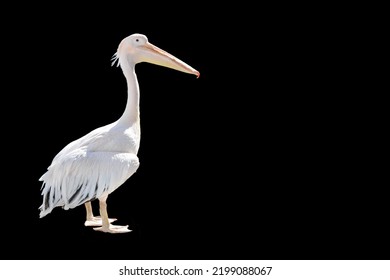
95 165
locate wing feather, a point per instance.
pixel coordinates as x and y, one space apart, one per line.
82 175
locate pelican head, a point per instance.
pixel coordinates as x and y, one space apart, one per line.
136 48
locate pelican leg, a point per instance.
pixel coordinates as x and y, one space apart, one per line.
91 220
106 226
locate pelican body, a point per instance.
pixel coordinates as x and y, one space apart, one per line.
95 165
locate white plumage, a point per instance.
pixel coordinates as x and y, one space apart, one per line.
96 164
82 167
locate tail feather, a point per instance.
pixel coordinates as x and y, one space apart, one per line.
51 199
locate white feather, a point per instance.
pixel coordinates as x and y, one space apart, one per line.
90 167
114 59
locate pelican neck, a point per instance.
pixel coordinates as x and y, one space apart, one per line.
131 113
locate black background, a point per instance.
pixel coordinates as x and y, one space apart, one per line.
265 156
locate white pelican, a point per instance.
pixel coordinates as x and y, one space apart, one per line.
93 166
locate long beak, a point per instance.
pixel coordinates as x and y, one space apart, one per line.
160 57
